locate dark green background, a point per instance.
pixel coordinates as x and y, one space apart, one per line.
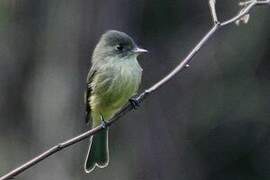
211 122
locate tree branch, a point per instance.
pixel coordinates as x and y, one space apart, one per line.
212 6
182 65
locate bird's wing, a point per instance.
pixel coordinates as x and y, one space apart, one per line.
88 93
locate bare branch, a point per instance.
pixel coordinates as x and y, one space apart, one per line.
182 65
185 62
212 6
259 2
249 5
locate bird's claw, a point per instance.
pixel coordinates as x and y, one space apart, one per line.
134 103
104 124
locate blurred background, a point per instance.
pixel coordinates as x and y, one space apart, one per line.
211 122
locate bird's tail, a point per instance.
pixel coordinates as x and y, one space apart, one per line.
98 153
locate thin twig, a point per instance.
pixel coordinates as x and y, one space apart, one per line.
262 2
184 64
212 6
248 6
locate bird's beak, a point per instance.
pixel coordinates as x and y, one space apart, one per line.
139 50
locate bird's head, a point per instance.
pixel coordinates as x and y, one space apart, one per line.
116 44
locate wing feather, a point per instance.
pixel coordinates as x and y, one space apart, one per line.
88 94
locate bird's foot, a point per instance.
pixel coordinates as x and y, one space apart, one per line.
104 124
134 103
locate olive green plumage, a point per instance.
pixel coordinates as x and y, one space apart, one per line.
99 153
113 79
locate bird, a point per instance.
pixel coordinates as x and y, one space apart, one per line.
113 80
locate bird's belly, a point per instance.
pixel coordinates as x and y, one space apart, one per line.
120 92
115 93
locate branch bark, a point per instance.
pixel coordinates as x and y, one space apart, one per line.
248 5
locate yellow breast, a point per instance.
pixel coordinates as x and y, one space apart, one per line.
113 87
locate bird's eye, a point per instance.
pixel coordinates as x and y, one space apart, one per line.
119 47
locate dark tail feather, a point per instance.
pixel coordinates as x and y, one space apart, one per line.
98 153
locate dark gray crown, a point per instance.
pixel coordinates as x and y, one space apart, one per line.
113 37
